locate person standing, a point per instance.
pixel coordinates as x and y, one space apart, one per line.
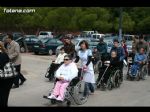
69 47
120 54
13 50
123 43
85 55
5 84
102 49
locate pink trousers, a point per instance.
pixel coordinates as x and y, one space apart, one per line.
60 89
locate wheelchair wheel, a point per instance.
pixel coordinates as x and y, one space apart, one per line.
117 78
78 94
144 72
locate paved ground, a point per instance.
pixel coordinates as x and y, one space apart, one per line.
135 93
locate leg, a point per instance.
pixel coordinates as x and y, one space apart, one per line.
63 90
56 89
86 90
5 90
21 77
91 87
16 80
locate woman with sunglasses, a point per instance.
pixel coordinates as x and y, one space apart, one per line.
85 55
66 72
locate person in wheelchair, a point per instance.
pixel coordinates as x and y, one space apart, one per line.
64 75
139 61
55 64
114 63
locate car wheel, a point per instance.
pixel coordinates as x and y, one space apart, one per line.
36 52
22 49
50 52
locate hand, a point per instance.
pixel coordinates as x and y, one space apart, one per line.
140 62
61 78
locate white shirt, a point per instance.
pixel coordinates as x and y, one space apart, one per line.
60 58
68 72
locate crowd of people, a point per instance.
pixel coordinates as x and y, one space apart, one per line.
66 67
89 59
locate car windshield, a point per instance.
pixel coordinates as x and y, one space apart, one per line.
44 40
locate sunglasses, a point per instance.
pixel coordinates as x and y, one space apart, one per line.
66 59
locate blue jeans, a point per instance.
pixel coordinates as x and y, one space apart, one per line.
134 69
87 88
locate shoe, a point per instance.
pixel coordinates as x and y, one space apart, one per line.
83 98
92 93
13 87
52 97
59 99
22 82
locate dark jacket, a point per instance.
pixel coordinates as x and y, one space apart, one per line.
120 52
3 60
69 49
102 48
114 62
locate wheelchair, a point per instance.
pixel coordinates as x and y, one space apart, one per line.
49 75
142 71
74 92
114 79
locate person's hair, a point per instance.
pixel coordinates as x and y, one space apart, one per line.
114 52
10 36
62 48
116 40
84 42
68 56
141 37
2 47
124 41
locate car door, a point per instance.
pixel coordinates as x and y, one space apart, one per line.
51 44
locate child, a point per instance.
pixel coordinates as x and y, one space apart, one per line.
64 74
139 60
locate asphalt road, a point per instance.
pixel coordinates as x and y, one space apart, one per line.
135 93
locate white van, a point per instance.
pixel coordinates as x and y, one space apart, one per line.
97 36
45 34
87 33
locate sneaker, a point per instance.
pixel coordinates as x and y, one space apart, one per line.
59 98
52 97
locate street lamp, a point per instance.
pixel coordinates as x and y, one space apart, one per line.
120 24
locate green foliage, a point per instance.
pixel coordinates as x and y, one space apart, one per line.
103 19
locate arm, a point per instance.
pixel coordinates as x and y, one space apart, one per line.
122 54
77 58
16 53
89 57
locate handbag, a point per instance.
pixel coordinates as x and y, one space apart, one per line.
9 71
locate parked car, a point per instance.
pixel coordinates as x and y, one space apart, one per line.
45 34
30 41
46 46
